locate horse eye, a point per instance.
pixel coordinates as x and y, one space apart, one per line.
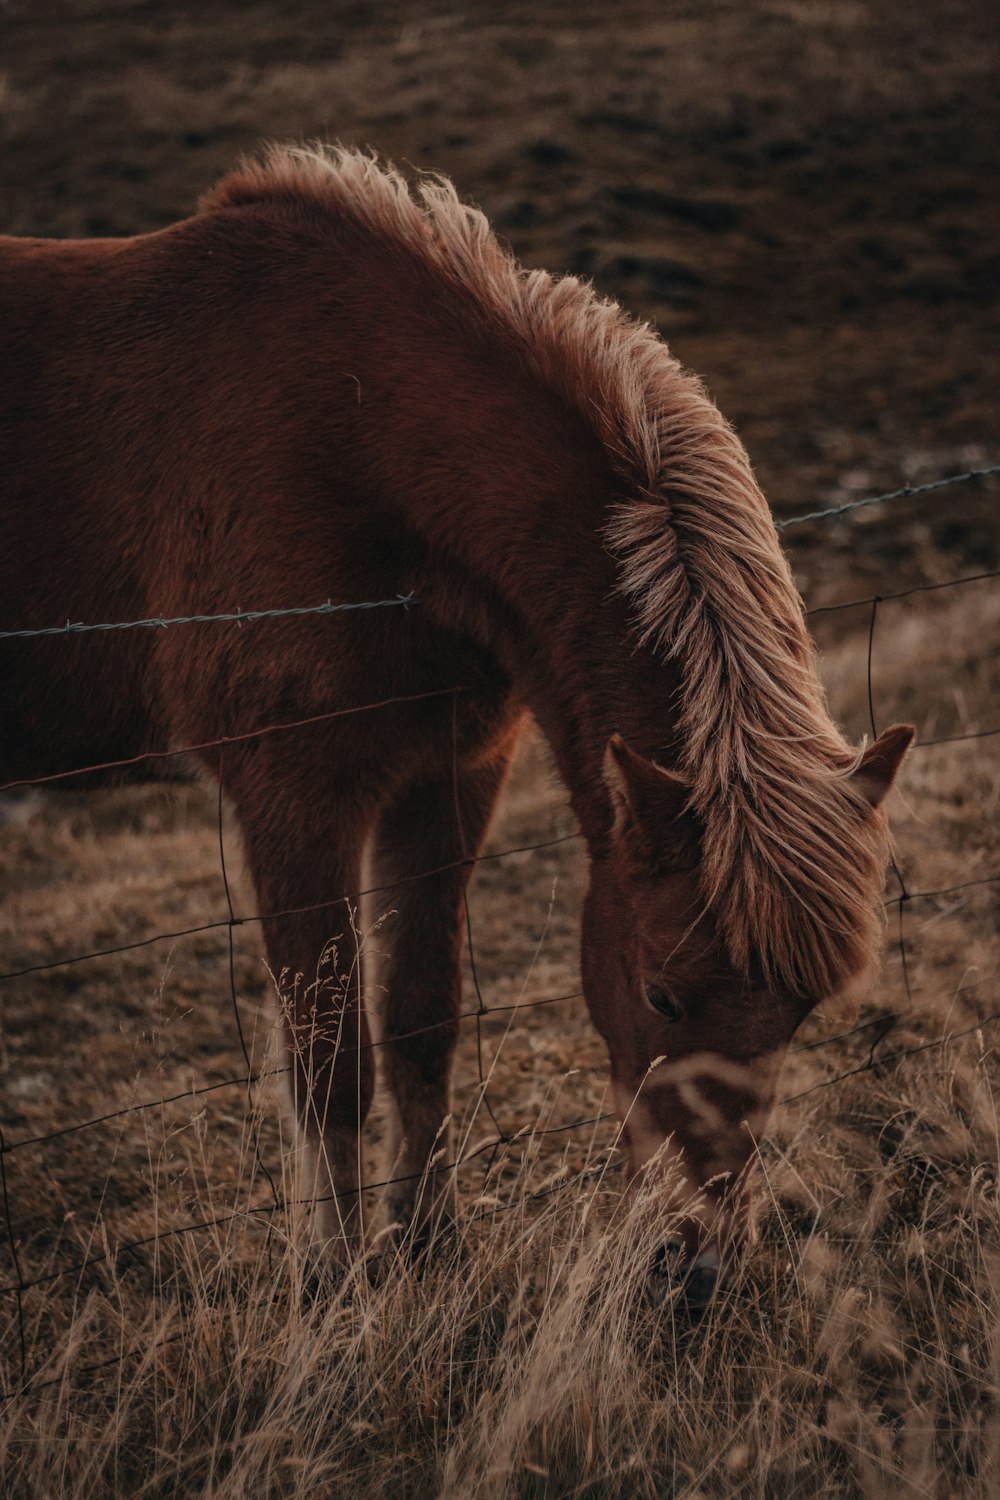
661 1000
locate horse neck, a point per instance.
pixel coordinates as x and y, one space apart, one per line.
539 589
588 682
510 489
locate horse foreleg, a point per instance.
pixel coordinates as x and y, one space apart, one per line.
305 859
435 823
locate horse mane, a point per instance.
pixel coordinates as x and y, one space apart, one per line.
792 856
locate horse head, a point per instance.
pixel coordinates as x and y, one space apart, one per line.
695 1042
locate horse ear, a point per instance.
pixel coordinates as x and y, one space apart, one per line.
876 771
649 802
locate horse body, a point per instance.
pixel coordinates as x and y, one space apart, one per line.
320 388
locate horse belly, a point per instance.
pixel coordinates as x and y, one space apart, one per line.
67 704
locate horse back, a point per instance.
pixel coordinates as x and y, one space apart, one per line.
177 439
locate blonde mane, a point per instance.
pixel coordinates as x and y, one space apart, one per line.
792 858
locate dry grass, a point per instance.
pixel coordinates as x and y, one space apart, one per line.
857 1358
855 1353
840 302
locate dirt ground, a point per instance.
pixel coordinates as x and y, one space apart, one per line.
801 196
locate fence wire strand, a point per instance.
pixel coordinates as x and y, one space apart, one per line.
501 1143
907 492
223 741
236 617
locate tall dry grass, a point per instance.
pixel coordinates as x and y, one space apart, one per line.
854 1353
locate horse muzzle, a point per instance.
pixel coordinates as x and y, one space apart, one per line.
706 1229
690 1282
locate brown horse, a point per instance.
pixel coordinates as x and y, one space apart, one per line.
326 384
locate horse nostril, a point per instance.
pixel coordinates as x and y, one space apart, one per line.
665 1273
691 1282
702 1279
665 1259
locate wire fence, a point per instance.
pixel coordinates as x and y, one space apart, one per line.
500 1143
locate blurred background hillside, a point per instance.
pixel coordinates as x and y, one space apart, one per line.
800 194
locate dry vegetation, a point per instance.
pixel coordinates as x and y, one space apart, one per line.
855 1353
799 194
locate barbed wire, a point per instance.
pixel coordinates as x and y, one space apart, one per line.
406 601
234 617
905 493
501 1141
943 890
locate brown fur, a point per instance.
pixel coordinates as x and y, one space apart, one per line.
326 385
790 864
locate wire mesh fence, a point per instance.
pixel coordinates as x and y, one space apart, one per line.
875 1031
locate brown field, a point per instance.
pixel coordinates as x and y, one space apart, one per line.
799 195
